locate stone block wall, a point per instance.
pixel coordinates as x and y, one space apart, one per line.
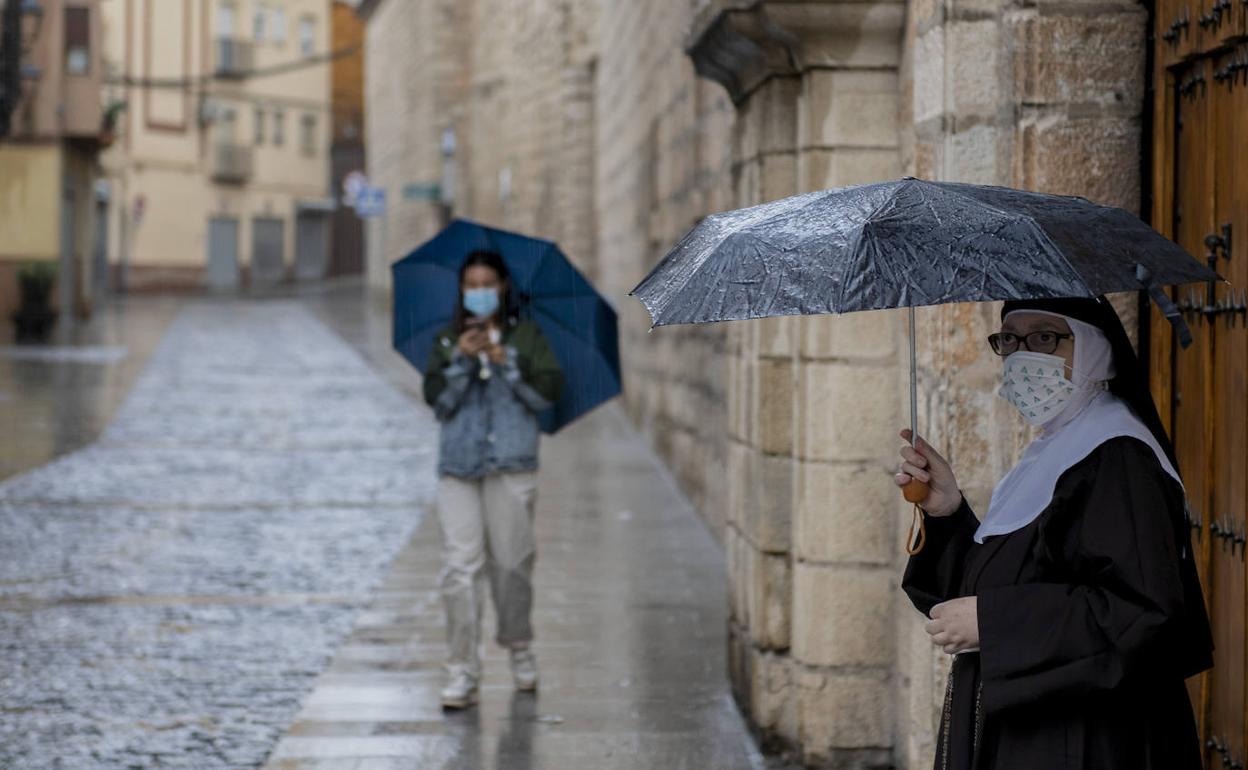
525 158
664 160
415 73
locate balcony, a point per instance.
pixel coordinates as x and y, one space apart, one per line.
235 58
231 163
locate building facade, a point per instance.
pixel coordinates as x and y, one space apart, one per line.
220 174
346 151
49 195
613 126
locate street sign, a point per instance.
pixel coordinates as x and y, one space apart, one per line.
422 191
371 202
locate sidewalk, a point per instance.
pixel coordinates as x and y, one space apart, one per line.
630 620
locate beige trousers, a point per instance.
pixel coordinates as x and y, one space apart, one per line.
487 531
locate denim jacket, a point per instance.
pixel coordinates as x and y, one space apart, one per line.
489 413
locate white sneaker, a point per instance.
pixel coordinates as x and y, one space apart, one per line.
461 691
524 669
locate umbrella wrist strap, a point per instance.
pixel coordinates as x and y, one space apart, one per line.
913 544
1164 304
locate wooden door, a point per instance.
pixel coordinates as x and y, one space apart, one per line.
1201 200
1227 530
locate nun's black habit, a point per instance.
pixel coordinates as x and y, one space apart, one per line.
1090 617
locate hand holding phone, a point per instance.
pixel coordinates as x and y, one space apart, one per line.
475 337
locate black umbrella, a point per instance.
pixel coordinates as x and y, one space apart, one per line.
910 243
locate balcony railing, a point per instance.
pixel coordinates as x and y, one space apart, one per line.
235 58
231 163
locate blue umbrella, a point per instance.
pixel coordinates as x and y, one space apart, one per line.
577 322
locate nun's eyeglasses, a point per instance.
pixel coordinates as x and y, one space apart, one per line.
1004 343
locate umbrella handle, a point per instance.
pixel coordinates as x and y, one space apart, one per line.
914 491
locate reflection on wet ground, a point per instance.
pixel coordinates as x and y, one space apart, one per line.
169 593
56 398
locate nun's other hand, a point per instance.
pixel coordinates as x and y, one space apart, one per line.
954 626
926 464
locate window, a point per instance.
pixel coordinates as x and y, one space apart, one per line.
225 128
77 40
257 23
259 125
307 134
307 36
279 127
277 26
225 21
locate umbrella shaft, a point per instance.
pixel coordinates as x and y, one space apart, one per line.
914 388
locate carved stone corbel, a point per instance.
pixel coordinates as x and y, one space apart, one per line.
740 44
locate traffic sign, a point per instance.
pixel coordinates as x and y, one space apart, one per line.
371 202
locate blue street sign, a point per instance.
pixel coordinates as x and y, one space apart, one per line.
417 191
371 202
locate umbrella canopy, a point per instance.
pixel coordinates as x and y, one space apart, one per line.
577 322
910 243
907 243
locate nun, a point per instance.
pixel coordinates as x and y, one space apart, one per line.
1073 609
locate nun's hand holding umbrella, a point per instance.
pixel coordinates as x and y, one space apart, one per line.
921 461
910 243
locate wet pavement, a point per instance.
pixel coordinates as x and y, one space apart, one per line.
169 592
57 398
629 620
228 577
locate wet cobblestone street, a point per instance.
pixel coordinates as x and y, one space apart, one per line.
239 570
168 593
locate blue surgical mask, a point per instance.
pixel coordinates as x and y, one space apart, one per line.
481 302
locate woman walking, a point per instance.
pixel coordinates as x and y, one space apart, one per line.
1073 610
489 375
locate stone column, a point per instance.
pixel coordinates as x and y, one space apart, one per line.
813 402
763 377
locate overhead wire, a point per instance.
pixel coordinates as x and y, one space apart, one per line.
195 85
215 77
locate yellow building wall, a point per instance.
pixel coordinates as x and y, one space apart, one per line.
30 183
166 152
178 205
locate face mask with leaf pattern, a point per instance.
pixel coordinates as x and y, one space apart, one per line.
1036 384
